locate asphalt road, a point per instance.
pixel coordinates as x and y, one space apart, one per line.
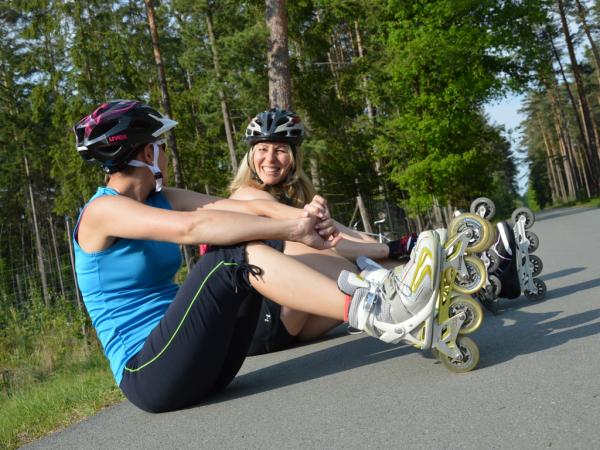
537 385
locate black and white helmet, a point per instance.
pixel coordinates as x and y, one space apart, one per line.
110 134
275 125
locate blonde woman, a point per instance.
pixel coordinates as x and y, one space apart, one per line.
272 170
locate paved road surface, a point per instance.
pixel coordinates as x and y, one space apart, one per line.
537 386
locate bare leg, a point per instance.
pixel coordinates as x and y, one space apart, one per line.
293 284
309 326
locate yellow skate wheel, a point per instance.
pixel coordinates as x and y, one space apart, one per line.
472 310
481 231
493 237
469 356
474 280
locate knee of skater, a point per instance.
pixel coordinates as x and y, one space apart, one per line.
293 320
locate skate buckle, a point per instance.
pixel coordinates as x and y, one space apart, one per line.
399 331
369 301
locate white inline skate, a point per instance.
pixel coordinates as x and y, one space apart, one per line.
425 303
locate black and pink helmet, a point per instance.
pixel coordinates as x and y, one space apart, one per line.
110 135
275 125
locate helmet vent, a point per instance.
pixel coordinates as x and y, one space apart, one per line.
102 128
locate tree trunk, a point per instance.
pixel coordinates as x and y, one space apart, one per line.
222 98
563 144
166 104
280 84
364 214
38 240
557 184
315 176
162 80
331 65
583 104
587 174
582 13
370 111
72 259
58 267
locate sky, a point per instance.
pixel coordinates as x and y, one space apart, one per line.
506 113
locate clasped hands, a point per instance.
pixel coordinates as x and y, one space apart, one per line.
324 225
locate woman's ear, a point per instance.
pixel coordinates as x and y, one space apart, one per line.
147 154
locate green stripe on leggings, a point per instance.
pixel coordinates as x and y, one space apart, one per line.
183 318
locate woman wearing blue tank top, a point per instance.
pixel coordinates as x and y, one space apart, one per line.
171 346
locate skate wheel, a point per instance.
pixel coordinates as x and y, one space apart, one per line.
534 241
475 278
536 264
540 290
480 229
470 356
526 213
495 285
483 207
492 238
494 261
472 310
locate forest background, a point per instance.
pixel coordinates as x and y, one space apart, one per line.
392 94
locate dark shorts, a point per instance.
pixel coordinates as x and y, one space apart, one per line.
201 342
271 334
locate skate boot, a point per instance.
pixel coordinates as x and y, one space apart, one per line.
392 305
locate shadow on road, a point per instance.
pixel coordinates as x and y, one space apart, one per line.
501 339
339 358
527 332
566 290
505 305
562 273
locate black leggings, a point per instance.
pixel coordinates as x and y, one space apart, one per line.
201 342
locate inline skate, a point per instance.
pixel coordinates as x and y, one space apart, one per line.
511 266
450 313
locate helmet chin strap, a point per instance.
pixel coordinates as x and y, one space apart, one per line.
158 177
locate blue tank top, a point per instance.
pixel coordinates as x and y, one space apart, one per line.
127 288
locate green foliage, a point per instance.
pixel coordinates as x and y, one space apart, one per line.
69 395
37 340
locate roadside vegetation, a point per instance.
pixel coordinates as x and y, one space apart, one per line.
52 375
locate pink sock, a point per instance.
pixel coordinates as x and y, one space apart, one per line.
347 301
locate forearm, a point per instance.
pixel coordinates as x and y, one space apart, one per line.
265 208
183 200
354 235
353 249
228 227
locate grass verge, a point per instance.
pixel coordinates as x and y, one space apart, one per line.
67 396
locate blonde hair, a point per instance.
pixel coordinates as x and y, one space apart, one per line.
295 190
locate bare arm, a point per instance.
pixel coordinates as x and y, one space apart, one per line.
182 200
111 217
353 244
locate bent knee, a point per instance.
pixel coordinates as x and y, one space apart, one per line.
293 320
